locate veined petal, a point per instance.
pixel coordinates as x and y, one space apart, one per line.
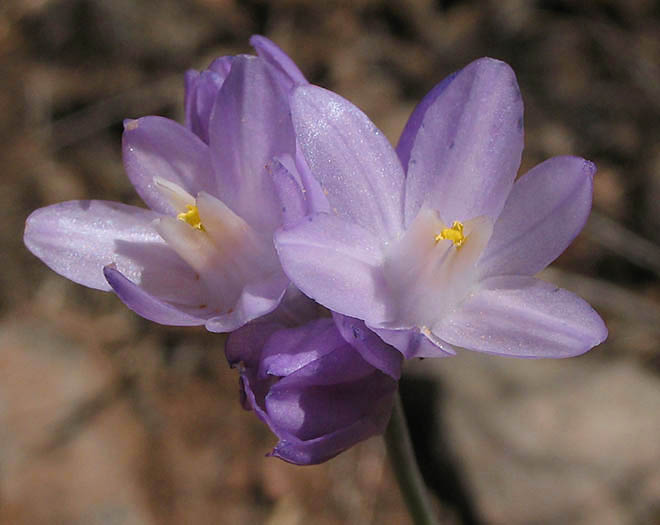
150 307
270 52
250 125
351 158
467 149
523 317
78 238
159 147
546 210
336 263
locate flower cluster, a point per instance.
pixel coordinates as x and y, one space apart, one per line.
275 187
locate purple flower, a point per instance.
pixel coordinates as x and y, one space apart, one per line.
203 253
442 254
313 386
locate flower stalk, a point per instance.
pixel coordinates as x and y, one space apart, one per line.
404 464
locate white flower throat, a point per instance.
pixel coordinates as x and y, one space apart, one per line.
432 268
220 246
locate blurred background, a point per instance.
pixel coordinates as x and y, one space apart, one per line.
106 418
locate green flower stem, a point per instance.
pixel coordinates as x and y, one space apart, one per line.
402 456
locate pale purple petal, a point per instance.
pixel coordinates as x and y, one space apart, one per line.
546 210
148 306
222 66
159 147
523 317
289 192
78 238
351 158
371 347
290 350
407 138
317 201
412 343
467 150
270 52
250 125
201 92
256 300
336 263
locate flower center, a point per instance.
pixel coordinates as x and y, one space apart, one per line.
191 217
453 234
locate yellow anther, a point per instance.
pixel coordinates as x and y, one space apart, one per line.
454 234
191 217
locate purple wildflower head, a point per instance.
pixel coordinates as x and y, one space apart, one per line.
313 386
434 245
203 253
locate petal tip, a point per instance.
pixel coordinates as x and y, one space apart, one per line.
131 124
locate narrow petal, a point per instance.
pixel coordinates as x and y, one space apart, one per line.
467 149
250 125
407 138
78 238
523 317
270 52
159 147
371 347
351 158
290 194
201 92
148 306
546 210
336 263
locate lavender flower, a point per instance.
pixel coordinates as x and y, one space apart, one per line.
443 254
312 385
204 253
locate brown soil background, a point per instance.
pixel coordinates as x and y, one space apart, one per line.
106 418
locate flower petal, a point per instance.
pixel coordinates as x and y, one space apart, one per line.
351 158
270 52
78 238
337 264
159 147
407 138
412 343
523 317
148 306
290 193
371 347
546 210
291 349
256 300
467 150
250 125
201 91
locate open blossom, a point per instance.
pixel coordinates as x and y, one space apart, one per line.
203 252
435 246
313 383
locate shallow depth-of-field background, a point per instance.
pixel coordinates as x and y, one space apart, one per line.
106 418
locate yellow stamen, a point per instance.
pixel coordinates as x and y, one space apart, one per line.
454 234
191 217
